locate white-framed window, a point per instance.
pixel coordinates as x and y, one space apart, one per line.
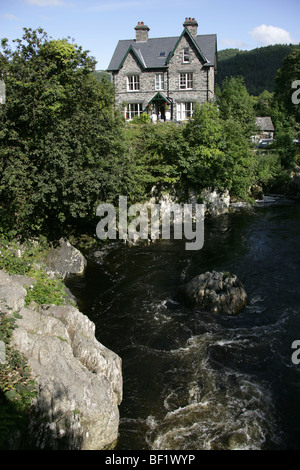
184 110
186 81
133 83
159 81
133 109
186 54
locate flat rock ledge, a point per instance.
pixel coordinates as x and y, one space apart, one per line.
79 380
215 291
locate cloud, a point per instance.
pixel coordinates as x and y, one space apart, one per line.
9 16
268 35
46 3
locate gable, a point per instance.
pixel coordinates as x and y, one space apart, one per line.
184 40
136 55
148 53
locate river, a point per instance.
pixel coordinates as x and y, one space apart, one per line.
197 380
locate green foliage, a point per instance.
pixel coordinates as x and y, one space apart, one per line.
286 149
236 104
46 290
204 134
286 75
28 259
61 139
65 149
18 259
263 103
144 118
258 67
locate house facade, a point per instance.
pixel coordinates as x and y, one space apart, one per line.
164 76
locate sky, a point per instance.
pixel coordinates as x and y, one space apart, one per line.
98 25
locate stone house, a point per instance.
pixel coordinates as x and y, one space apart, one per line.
165 76
265 128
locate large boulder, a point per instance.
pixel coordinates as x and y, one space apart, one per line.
79 380
215 291
65 260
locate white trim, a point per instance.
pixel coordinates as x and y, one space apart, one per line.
133 109
159 82
186 81
184 110
133 83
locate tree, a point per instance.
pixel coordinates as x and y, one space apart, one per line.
235 103
263 103
61 140
219 154
204 158
285 78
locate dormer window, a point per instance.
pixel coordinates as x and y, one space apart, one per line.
162 54
186 55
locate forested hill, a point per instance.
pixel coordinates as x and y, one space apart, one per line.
258 66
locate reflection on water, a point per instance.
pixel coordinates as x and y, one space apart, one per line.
194 380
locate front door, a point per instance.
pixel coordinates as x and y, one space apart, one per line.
159 109
158 104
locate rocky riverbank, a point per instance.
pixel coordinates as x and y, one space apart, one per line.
79 380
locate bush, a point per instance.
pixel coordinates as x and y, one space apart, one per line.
144 118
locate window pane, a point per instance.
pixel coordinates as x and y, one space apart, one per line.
132 110
186 81
182 80
133 82
159 81
184 111
186 55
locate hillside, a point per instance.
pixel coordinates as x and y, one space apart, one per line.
258 66
99 74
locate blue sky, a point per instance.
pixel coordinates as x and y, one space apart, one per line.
97 25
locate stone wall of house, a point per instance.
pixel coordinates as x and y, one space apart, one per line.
147 83
200 75
203 80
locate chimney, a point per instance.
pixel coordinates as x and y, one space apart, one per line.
191 24
141 31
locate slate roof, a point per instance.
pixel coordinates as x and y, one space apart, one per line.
149 52
265 123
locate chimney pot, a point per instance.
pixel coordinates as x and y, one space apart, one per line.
191 24
141 31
